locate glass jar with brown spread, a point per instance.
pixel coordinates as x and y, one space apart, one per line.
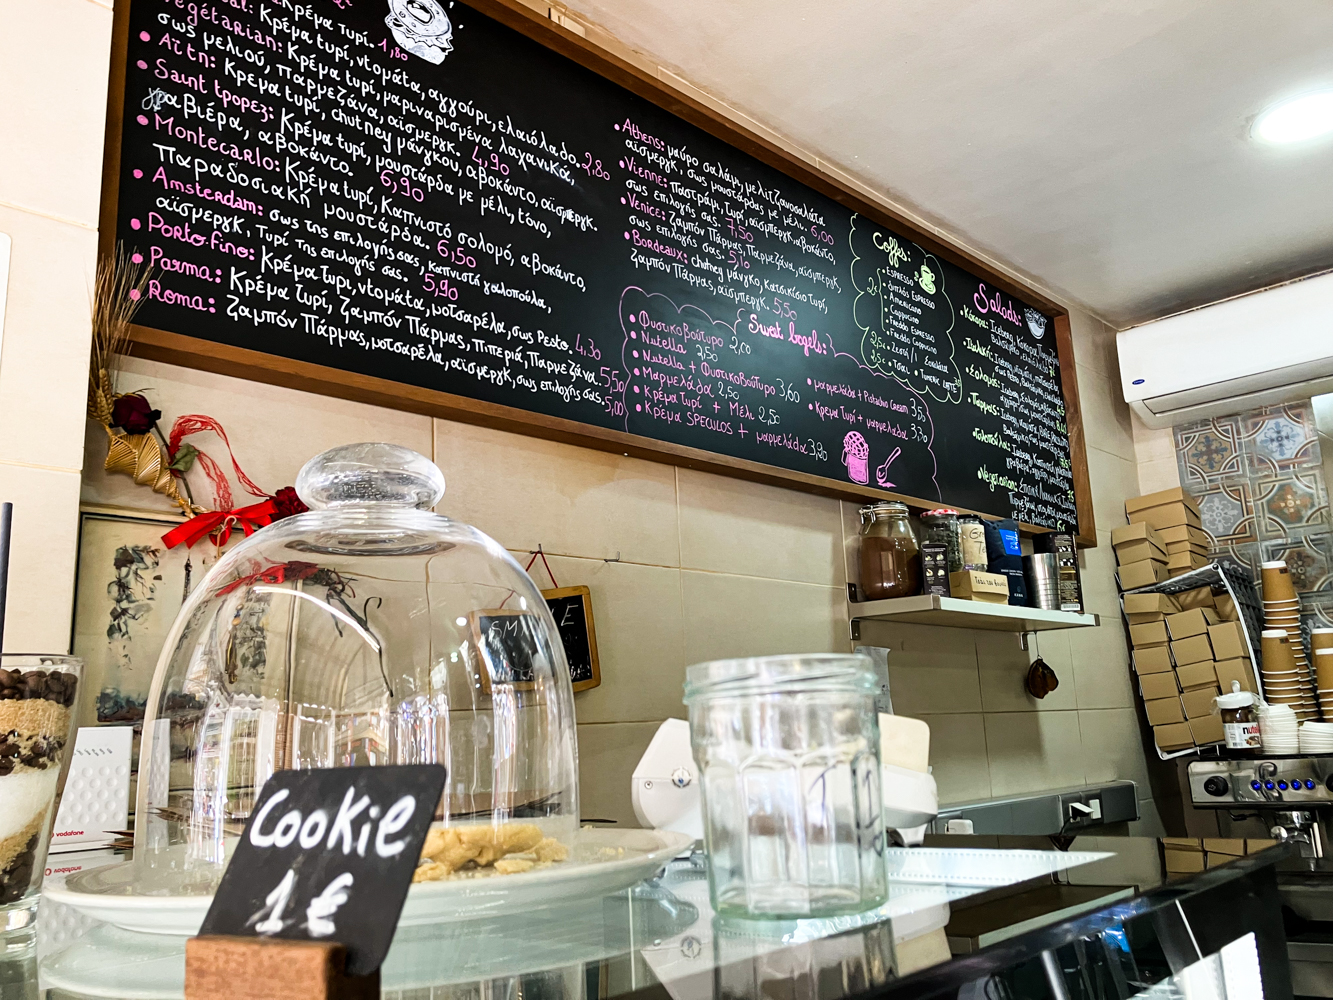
890 559
1239 722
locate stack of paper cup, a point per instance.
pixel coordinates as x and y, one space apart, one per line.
1316 737
1278 729
1323 676
1282 612
1284 683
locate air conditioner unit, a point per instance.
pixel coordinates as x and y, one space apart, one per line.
1271 347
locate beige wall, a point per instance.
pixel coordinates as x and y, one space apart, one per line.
686 566
704 566
53 68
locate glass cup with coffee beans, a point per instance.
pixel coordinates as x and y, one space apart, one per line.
37 725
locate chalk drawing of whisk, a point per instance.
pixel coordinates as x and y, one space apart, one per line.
882 473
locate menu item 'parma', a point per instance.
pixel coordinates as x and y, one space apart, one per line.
34 725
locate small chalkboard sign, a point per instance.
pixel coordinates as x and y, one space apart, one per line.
572 609
328 856
507 645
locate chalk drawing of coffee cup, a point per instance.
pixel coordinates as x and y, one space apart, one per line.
856 456
422 28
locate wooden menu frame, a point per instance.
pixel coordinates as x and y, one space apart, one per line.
224 359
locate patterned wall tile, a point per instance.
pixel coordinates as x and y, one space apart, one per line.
1260 484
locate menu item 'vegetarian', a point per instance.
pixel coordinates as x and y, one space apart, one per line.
35 708
471 851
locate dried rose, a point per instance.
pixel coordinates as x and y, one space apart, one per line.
288 503
134 414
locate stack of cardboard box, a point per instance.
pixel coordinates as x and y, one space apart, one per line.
1187 855
1184 655
1164 538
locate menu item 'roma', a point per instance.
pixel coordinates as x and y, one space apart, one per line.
34 727
471 851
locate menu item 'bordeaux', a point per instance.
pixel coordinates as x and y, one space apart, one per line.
413 191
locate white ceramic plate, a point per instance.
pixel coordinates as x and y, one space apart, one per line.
630 856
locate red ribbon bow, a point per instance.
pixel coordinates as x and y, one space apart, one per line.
223 522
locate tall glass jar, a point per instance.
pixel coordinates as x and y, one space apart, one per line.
788 755
941 527
890 556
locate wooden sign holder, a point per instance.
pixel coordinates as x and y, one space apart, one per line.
221 967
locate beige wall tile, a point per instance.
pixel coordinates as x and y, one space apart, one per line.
1004 666
608 755
576 501
728 616
640 638
958 757
851 542
1029 751
1094 344
1100 660
1163 474
274 431
1113 479
1097 576
1149 823
43 553
53 73
1106 421
44 359
732 526
931 670
1113 746
1152 445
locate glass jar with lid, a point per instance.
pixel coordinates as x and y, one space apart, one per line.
941 527
890 555
368 631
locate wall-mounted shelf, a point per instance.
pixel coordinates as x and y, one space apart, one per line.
953 612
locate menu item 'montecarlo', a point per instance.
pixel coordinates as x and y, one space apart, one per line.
467 211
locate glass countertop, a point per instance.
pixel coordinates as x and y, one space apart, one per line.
662 938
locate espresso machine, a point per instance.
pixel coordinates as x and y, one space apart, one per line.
1293 798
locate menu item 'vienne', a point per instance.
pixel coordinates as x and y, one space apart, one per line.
490 220
35 723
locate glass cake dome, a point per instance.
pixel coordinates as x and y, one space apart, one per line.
368 631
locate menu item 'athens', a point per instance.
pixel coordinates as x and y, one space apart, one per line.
34 726
470 851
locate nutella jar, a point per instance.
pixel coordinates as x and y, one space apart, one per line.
1239 721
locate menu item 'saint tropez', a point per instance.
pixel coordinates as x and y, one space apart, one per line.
35 723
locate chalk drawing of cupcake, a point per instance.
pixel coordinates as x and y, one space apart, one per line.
856 456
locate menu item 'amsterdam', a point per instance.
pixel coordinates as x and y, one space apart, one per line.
420 194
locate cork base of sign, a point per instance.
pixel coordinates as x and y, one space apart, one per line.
248 968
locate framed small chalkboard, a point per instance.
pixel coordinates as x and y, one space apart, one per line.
506 646
327 856
572 608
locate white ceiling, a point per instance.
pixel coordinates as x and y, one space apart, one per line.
1099 146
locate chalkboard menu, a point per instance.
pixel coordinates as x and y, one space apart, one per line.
414 191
